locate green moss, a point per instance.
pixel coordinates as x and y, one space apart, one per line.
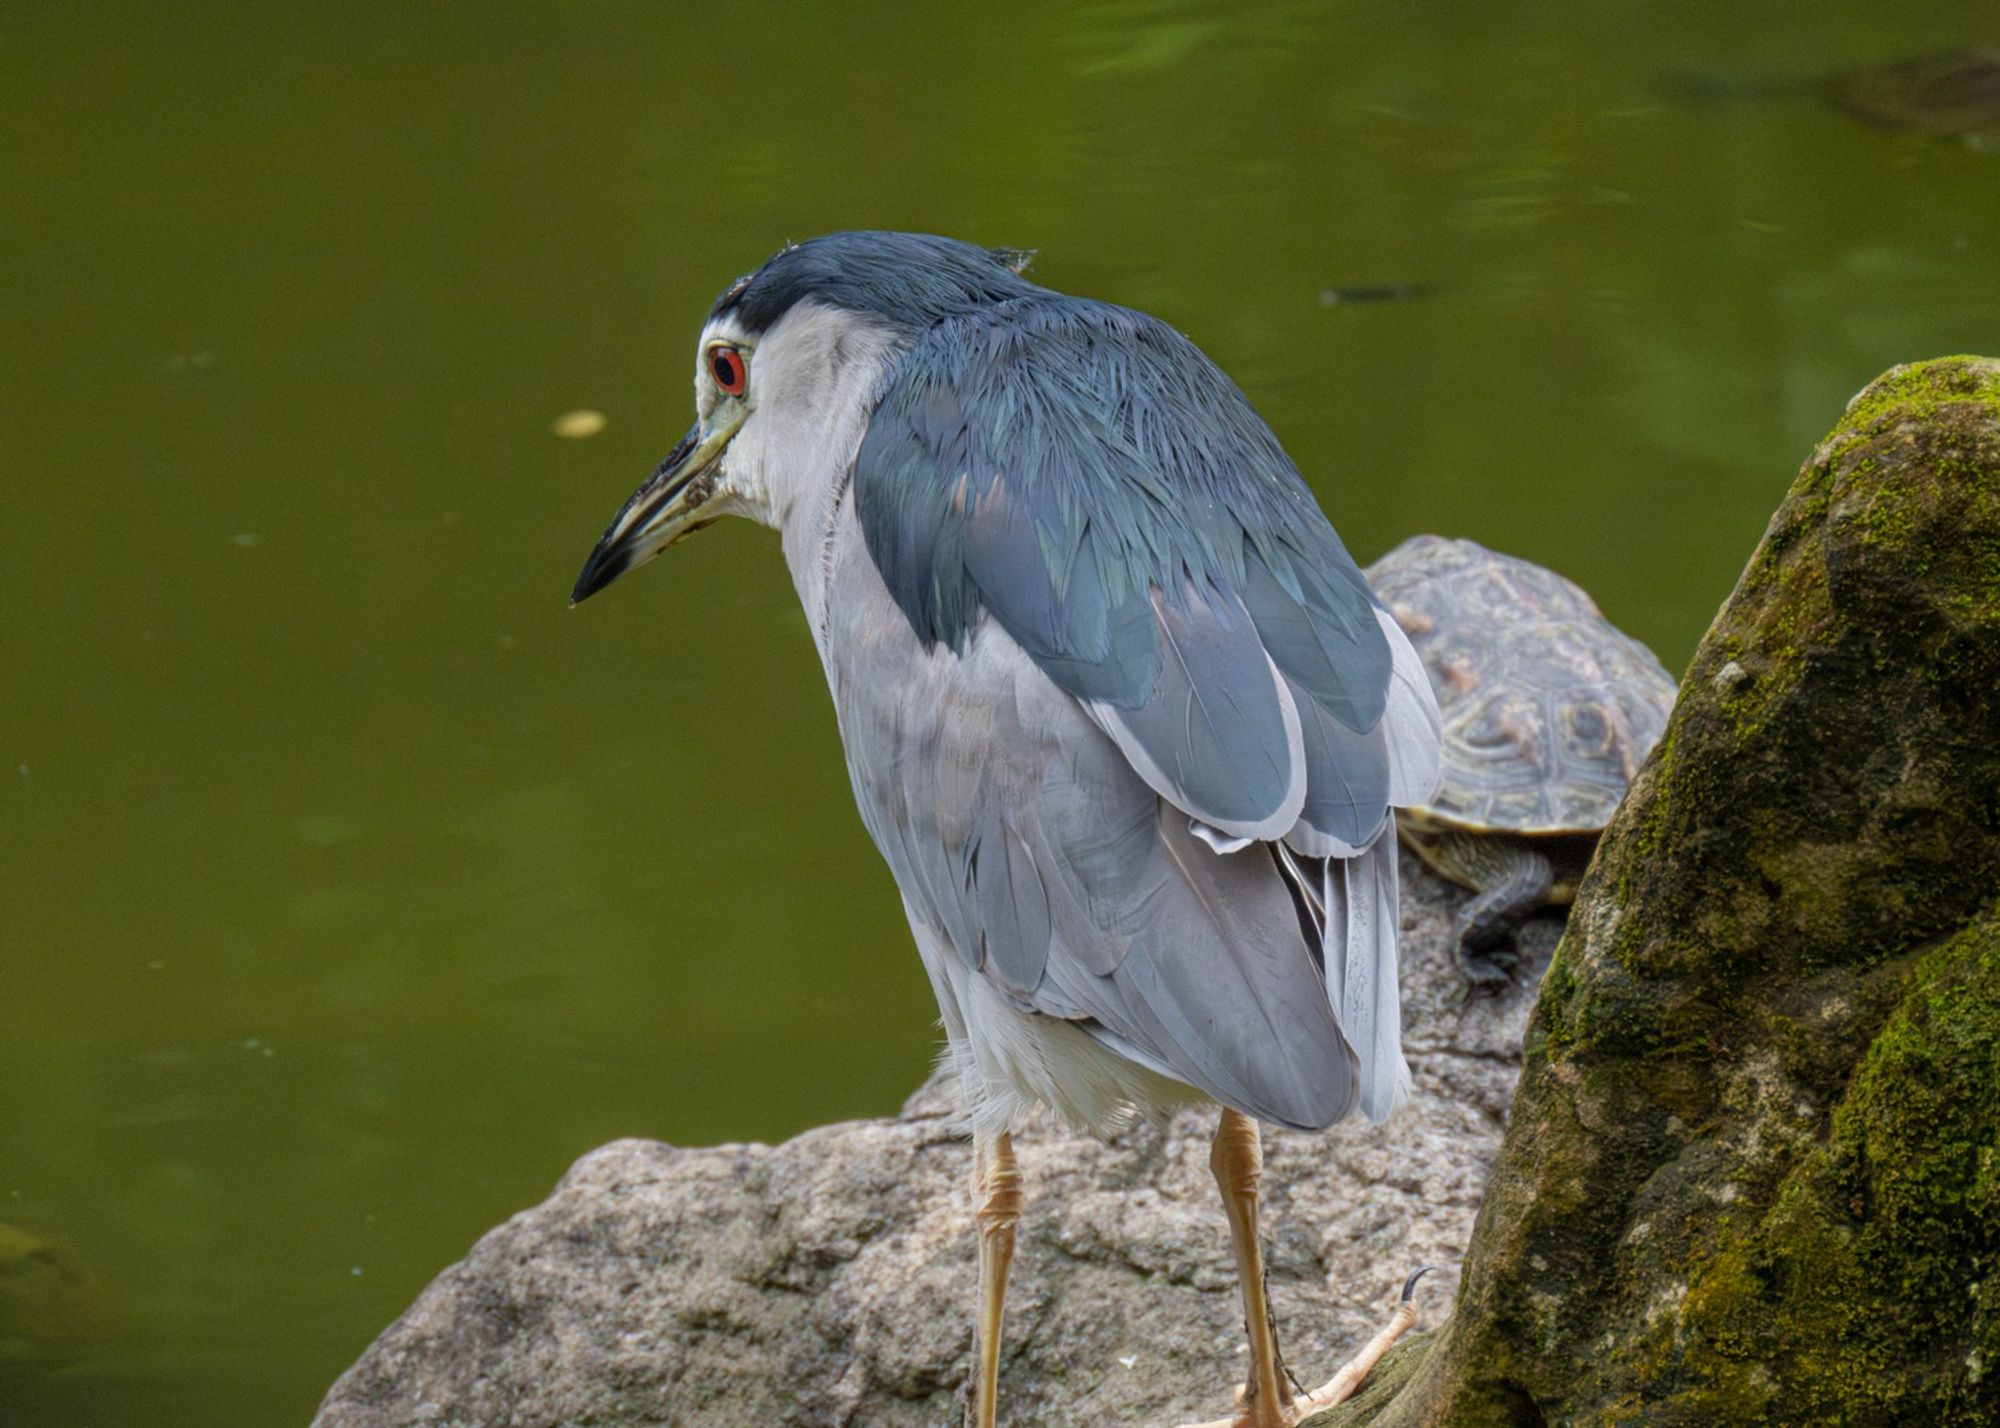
1864 1289
1919 391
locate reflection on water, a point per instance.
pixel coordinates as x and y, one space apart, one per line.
351 886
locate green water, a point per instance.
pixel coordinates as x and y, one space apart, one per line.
351 886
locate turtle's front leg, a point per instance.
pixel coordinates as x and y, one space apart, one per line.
1514 880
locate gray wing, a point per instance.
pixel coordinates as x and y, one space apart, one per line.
1024 839
1156 719
1022 836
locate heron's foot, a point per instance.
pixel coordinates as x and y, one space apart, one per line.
1341 1386
1288 1415
1337 1389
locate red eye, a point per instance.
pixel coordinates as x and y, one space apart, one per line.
727 366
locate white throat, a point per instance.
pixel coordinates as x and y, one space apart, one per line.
816 376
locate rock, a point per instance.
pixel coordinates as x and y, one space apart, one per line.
1753 1171
830 1280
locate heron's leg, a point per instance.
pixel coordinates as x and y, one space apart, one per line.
1341 1385
1266 1401
1237 1160
996 1187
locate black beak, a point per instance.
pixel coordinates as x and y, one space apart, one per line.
667 508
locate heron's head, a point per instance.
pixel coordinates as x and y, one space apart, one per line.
789 367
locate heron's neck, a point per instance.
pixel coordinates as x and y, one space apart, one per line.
815 531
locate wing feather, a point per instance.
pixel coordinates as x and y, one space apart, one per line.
1140 647
1010 903
1348 780
1217 735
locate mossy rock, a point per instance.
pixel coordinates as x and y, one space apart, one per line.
1753 1171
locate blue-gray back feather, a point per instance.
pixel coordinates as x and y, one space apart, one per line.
1085 476
1320 628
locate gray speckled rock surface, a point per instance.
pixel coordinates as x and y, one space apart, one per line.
830 1280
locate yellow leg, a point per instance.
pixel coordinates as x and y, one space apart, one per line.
996 1188
1266 1401
1237 1160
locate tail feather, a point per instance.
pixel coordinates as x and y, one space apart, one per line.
1361 903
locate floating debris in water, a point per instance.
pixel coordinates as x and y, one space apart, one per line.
579 425
246 538
1375 292
1950 92
1954 92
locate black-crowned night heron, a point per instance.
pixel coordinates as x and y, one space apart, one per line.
1119 709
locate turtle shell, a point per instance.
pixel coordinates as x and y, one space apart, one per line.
1548 708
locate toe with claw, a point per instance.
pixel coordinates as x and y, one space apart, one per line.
1339 1388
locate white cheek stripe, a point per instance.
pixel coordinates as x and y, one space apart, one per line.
814 379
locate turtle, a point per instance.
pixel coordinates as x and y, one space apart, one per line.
1549 709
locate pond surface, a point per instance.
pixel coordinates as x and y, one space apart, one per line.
351 886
